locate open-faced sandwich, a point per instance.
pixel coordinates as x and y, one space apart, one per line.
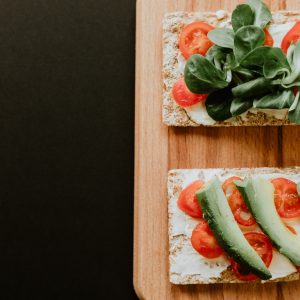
234 225
239 69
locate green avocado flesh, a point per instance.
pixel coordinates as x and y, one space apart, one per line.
217 213
258 194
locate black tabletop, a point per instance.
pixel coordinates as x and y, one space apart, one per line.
66 152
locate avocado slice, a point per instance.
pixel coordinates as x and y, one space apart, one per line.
219 217
258 194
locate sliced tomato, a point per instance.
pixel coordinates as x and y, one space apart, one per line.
184 97
193 39
204 241
287 200
296 90
236 202
263 246
298 269
187 200
268 38
291 229
291 37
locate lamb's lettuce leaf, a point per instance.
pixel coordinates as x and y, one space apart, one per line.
222 37
294 59
277 100
218 104
262 14
243 15
239 106
294 111
247 39
252 89
202 77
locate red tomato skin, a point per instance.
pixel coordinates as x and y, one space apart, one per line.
244 277
291 37
204 242
287 200
184 97
187 200
291 229
193 39
237 203
295 90
263 246
268 38
253 238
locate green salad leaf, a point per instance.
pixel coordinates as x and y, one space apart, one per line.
277 100
244 73
290 53
256 57
202 77
294 59
243 15
261 11
239 106
251 89
272 60
276 64
222 37
218 104
294 111
220 57
247 39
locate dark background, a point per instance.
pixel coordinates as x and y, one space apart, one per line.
66 152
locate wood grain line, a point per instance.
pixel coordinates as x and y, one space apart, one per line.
282 5
279 148
279 292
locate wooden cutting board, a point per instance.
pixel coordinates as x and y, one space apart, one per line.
159 148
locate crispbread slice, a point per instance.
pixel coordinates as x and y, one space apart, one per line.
173 114
177 180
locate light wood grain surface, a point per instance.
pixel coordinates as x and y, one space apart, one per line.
159 148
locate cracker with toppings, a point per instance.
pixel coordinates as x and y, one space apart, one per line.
174 64
187 266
